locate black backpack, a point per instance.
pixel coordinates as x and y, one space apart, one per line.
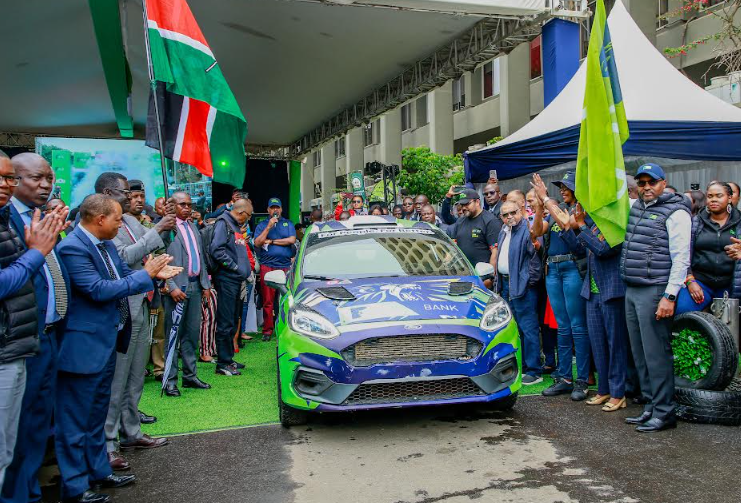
207 235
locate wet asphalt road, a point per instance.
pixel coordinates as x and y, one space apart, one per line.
546 450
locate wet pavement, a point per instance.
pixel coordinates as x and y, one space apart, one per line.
546 450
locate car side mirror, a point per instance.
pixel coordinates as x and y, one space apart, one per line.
277 279
483 270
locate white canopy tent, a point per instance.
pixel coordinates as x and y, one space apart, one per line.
669 115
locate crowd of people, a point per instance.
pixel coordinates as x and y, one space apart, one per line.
91 296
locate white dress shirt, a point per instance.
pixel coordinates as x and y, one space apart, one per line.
503 256
679 227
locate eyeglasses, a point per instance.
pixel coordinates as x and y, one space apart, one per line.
11 181
492 193
408 204
642 183
123 191
357 201
509 214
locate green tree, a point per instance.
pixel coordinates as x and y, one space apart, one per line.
425 172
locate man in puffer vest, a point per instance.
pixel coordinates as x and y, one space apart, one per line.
654 262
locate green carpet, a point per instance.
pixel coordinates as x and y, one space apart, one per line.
232 402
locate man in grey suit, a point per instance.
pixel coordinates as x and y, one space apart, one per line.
191 287
134 243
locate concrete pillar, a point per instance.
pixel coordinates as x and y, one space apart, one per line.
329 175
644 14
307 182
391 137
440 103
354 151
514 97
468 87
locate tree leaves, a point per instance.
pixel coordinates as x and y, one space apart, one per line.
425 172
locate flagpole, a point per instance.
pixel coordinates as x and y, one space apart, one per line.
153 87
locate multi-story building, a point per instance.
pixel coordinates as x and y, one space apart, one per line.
495 99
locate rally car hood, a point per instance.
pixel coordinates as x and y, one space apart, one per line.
393 299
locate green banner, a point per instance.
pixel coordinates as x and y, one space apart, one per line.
358 183
61 163
294 192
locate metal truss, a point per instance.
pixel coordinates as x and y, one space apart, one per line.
19 140
485 40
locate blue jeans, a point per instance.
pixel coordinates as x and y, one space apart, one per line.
525 310
246 306
685 302
563 284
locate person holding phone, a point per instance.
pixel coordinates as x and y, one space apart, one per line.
274 241
356 206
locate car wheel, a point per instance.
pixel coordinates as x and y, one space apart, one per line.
708 407
504 404
724 356
288 415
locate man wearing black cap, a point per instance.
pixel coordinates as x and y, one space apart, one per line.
274 240
477 231
654 262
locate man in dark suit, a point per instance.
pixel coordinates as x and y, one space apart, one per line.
51 291
98 324
190 287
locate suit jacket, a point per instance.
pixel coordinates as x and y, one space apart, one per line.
180 258
90 333
133 252
41 287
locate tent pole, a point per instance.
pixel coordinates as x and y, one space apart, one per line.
153 89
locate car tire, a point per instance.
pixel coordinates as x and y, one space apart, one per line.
708 407
725 357
288 415
504 404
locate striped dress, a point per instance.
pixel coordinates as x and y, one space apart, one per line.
208 326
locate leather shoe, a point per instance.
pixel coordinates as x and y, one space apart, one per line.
172 390
118 462
145 419
657 424
158 377
113 480
644 417
88 497
145 442
195 383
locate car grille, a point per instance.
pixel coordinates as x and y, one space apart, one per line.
412 348
413 391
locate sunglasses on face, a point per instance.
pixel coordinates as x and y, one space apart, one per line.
357 201
651 182
408 204
509 214
492 193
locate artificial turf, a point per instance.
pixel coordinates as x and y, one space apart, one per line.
234 401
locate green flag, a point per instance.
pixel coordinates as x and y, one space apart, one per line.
601 186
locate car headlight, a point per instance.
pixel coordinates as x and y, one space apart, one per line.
496 314
312 324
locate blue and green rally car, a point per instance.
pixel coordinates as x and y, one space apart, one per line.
379 313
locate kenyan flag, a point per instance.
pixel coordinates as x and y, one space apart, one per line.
201 121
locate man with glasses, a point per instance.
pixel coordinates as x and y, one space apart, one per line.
134 243
654 262
477 231
356 207
407 206
492 196
228 249
191 287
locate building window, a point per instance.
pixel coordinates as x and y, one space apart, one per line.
662 8
421 111
339 148
372 133
491 78
318 157
459 93
406 117
536 61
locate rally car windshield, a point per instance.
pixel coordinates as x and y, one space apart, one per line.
370 253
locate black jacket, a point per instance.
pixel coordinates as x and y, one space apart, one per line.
229 255
710 264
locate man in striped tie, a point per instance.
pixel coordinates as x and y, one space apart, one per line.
51 290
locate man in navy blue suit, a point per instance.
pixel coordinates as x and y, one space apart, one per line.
98 324
36 181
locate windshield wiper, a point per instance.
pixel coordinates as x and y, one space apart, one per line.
320 278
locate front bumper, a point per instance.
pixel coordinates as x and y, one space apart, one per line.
320 379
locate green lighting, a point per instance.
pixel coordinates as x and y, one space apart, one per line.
223 163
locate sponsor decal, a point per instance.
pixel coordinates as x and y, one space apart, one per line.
376 230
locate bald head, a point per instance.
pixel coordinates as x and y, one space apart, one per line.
241 211
37 179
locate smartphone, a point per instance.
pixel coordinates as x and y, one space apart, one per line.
458 189
694 186
493 174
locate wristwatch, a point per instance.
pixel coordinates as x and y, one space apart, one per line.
670 297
